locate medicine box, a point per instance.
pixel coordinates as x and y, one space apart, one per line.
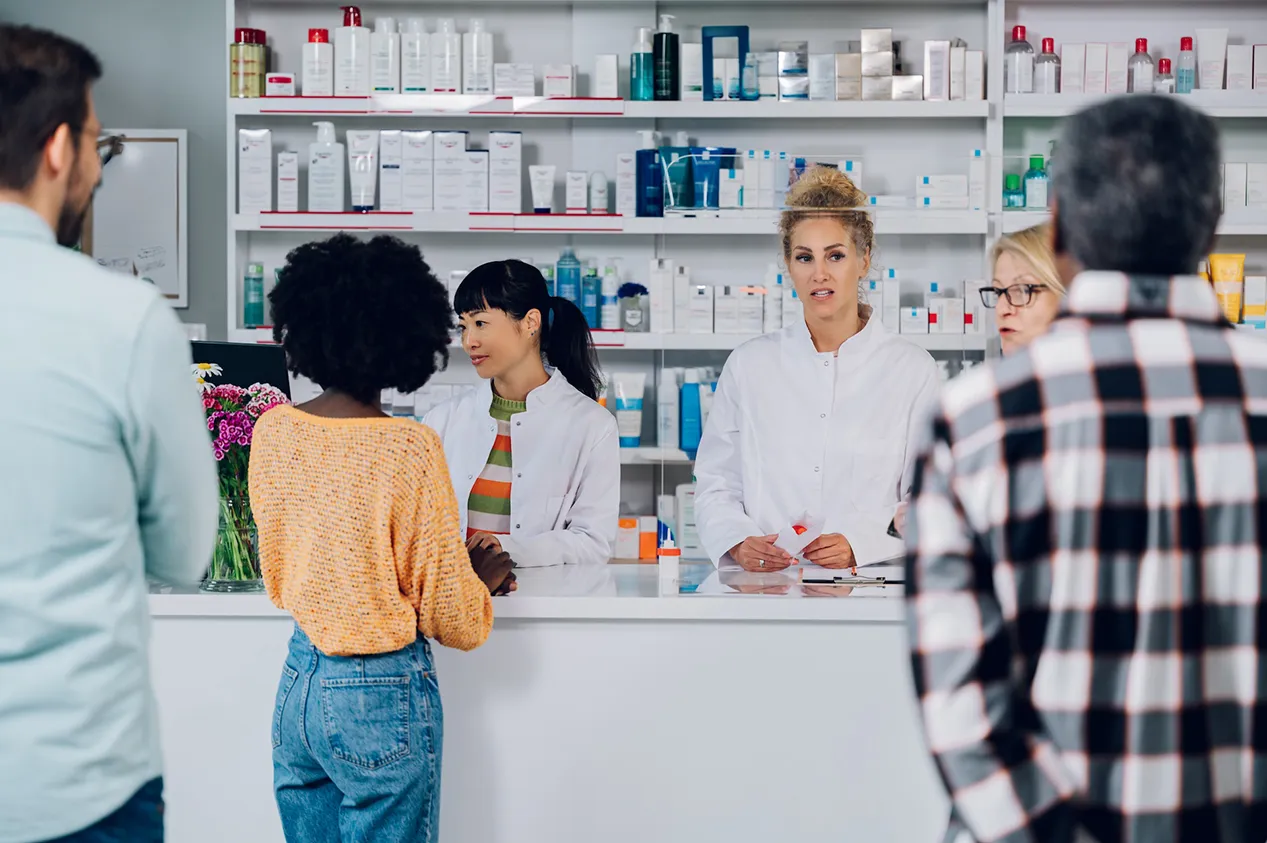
1235 178
1073 65
1094 78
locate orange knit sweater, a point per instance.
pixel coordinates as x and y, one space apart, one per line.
358 534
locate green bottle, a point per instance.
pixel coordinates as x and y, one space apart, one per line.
253 296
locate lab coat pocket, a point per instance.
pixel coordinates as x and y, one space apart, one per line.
551 518
877 472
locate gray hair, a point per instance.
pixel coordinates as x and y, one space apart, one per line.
1137 186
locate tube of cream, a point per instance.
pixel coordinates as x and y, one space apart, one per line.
541 179
1228 274
1211 56
629 387
363 167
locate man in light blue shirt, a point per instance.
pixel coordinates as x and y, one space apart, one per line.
106 474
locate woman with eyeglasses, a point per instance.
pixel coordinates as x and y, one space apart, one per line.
1026 290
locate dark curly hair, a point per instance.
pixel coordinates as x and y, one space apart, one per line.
361 317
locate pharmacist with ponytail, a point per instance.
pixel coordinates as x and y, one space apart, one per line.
534 459
814 423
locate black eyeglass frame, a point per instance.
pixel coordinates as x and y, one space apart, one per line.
109 146
1024 291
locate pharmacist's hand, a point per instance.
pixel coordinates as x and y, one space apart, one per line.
491 566
831 551
484 540
759 554
899 520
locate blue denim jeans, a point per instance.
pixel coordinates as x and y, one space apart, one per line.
356 746
140 820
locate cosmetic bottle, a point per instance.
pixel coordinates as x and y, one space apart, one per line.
667 59
253 296
318 73
1019 61
415 58
750 82
351 56
568 277
1036 185
1164 81
642 67
1140 70
1047 69
385 57
649 177
477 57
1186 77
446 58
1013 193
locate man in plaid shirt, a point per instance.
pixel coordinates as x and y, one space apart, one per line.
1085 551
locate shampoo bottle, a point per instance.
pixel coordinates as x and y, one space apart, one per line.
385 57
477 56
642 67
568 277
446 58
351 56
325 171
591 292
648 177
415 58
692 424
667 58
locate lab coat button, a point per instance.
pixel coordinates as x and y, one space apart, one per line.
822 415
815 469
826 362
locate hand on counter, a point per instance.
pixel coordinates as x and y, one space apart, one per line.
759 554
493 567
484 540
831 551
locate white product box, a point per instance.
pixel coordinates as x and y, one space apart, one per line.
730 192
849 76
606 77
450 171
1117 59
766 192
691 71
877 64
891 302
391 185
768 64
505 172
782 178
1073 66
255 170
877 200
851 167
558 80
914 320
877 40
877 88
626 184
514 80
681 312
948 313
417 166
279 84
768 87
974 75
660 283
1260 67
908 88
944 203
977 180
751 310
794 87
822 76
936 70
475 180
726 310
1095 79
1240 67
1235 179
288 182
939 186
958 73
752 178
1255 312
701 320
576 192
973 319
1255 185
793 311
873 294
731 80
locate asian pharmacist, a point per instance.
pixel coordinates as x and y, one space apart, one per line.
816 419
535 460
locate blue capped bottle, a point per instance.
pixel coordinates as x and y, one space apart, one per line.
568 277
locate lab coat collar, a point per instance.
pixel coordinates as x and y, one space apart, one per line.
871 335
548 393
20 221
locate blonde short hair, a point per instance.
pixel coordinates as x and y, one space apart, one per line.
827 193
1033 245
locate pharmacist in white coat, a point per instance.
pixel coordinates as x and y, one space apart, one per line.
534 459
818 418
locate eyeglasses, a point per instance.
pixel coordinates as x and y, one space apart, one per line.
1017 295
108 147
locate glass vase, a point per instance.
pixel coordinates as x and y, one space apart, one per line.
235 563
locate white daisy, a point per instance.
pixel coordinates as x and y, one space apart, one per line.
205 370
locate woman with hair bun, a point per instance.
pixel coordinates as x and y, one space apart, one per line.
535 460
815 419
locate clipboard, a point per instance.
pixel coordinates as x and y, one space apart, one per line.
840 578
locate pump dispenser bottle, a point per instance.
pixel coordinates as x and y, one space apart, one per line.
642 67
325 171
667 57
415 58
351 56
446 58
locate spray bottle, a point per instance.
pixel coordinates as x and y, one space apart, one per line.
642 67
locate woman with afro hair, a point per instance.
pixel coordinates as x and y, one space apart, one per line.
359 541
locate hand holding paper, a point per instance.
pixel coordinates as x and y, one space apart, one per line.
798 535
831 551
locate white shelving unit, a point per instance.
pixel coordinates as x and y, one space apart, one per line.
1246 223
1224 104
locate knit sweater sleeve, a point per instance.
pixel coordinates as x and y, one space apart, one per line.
454 606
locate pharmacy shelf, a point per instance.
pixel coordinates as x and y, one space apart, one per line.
653 456
456 105
887 221
1230 104
1247 223
622 341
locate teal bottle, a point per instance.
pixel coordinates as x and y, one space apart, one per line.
567 276
642 68
591 290
253 296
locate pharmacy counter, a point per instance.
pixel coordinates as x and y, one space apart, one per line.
604 707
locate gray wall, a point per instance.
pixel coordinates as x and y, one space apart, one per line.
165 65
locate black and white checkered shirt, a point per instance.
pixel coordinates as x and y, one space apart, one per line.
1084 579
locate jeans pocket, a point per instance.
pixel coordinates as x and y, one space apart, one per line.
367 719
289 677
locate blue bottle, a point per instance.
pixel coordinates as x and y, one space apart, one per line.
649 177
591 288
642 68
1013 193
691 420
568 276
253 296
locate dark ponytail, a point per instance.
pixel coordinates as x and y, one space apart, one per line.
515 287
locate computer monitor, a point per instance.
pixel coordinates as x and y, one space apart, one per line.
242 364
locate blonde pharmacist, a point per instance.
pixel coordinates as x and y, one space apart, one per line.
818 418
534 459
1026 290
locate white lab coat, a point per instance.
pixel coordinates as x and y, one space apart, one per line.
794 431
565 494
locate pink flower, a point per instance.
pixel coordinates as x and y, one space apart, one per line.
208 403
219 454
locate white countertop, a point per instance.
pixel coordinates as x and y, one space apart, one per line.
617 592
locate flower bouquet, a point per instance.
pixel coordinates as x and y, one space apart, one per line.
232 412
